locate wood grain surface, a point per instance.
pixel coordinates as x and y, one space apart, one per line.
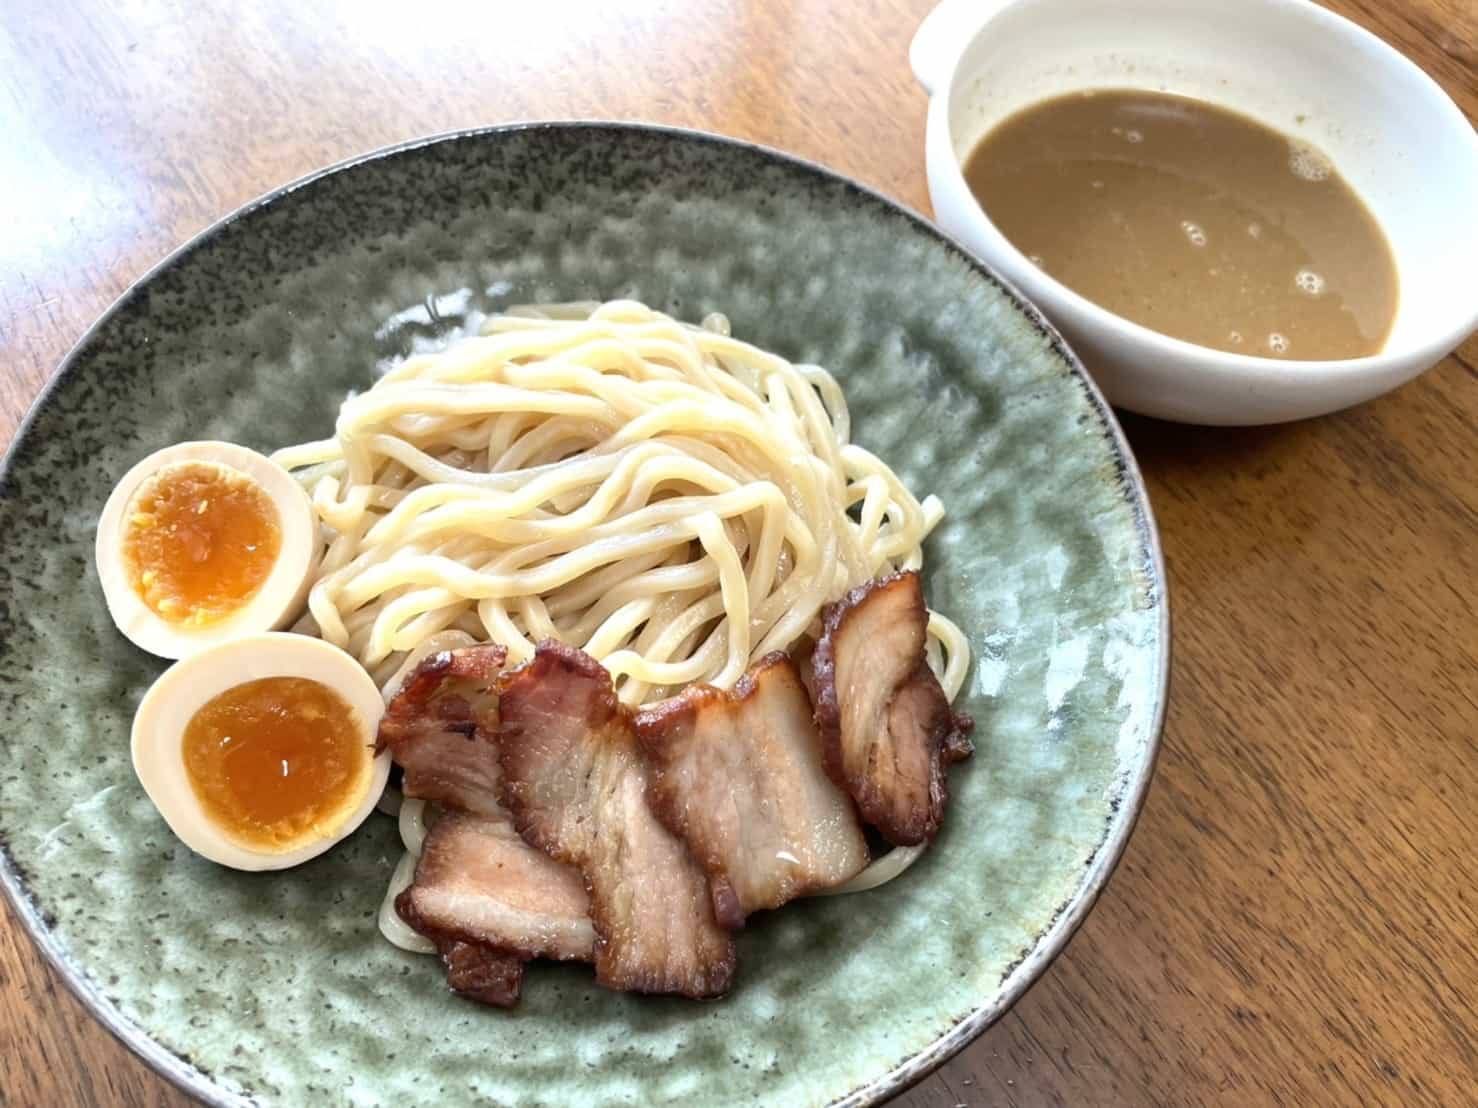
1295 921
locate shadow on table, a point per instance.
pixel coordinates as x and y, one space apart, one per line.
1167 450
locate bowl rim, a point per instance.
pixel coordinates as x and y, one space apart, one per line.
1124 813
1242 368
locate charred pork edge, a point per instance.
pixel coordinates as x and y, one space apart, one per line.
432 670
446 939
953 745
479 972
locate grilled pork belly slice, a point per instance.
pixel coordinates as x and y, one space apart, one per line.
887 732
478 880
576 783
439 729
739 777
486 898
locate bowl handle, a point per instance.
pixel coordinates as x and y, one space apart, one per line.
943 36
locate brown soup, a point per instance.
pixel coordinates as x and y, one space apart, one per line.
1192 220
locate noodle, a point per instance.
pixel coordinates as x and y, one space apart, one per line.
672 501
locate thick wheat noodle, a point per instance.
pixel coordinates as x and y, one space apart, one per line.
671 500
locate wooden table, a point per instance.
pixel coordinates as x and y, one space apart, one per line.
1295 920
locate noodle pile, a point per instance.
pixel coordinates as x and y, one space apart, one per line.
672 501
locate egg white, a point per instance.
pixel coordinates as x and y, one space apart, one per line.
275 604
183 689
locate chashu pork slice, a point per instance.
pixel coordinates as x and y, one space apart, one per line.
482 895
431 728
478 880
887 732
576 783
739 776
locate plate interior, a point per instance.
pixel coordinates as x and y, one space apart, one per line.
279 987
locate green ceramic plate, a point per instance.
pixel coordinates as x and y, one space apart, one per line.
277 989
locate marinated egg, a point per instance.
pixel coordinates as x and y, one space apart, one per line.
259 752
204 541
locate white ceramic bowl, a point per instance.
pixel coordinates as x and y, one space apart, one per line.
1391 132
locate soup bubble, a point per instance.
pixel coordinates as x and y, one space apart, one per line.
1310 282
1277 343
1193 232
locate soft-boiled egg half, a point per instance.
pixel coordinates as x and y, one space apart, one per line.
259 752
202 542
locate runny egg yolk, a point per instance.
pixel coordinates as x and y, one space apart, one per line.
276 761
200 540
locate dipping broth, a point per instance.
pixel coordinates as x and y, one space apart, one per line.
1192 220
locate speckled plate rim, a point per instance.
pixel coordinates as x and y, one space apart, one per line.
1126 807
